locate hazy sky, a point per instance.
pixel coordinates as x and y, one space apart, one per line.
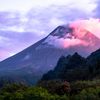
23 22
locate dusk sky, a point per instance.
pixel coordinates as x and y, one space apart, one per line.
23 22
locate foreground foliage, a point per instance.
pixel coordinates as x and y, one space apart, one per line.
21 92
52 90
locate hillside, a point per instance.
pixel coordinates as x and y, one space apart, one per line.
75 67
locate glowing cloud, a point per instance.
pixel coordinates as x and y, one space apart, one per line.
91 25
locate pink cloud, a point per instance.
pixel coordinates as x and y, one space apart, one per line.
91 25
72 42
3 54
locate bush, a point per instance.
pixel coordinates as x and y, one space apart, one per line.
78 86
56 86
88 94
16 92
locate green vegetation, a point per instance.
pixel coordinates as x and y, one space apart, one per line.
79 90
52 90
21 92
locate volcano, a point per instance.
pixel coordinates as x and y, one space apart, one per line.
30 64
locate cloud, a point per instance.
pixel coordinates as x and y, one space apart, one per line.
25 5
23 22
65 43
47 13
91 25
46 19
97 9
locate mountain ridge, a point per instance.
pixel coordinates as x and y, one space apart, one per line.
76 69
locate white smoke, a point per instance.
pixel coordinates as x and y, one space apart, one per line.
64 43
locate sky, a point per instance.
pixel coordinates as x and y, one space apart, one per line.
24 22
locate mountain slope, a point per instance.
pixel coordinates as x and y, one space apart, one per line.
31 63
